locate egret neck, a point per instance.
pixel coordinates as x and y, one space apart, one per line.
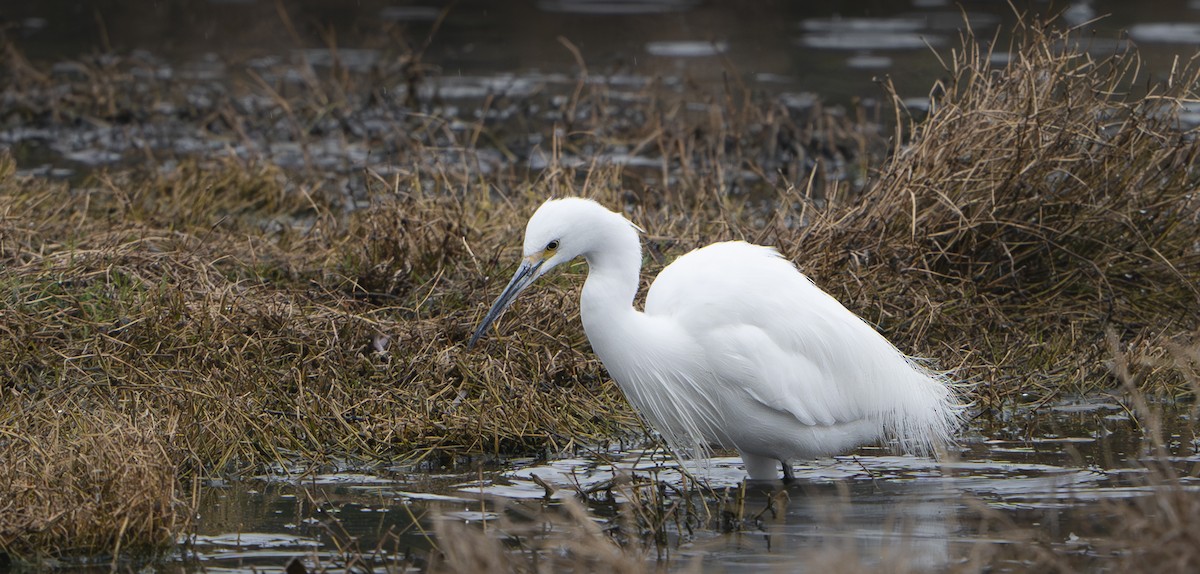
614 259
633 346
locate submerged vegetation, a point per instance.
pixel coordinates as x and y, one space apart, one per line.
210 314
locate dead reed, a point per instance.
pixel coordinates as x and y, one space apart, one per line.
82 482
564 541
1036 204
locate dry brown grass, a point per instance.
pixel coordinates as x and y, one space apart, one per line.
82 481
1154 533
228 313
1157 532
256 342
265 338
564 541
1036 204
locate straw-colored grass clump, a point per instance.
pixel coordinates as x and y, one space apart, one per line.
1036 205
156 325
75 482
1033 206
248 341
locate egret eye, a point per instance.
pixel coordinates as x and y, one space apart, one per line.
552 245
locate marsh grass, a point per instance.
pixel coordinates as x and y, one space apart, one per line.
1036 204
87 481
250 345
161 324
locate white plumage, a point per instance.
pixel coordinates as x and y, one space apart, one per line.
736 348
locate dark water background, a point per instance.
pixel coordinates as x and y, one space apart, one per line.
834 49
796 53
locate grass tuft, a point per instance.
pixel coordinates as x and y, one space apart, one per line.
80 482
1034 206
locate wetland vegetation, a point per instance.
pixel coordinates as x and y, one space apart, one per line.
284 269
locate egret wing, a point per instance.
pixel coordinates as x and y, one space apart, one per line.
745 356
766 327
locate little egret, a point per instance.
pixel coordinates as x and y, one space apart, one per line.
736 348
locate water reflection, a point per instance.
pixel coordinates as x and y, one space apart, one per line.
686 49
898 33
875 506
1166 32
869 41
616 7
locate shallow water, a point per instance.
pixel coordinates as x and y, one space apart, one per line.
803 44
874 505
798 53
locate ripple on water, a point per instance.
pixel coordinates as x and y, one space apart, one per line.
409 13
478 87
872 501
868 62
856 40
616 7
872 25
686 49
358 60
256 540
1166 32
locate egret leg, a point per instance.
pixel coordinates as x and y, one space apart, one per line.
760 467
788 474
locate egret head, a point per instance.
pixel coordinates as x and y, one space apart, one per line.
558 232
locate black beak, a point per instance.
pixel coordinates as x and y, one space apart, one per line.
524 276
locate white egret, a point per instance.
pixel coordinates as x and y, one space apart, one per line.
736 348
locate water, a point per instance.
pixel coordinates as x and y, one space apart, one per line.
1058 480
797 52
806 44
